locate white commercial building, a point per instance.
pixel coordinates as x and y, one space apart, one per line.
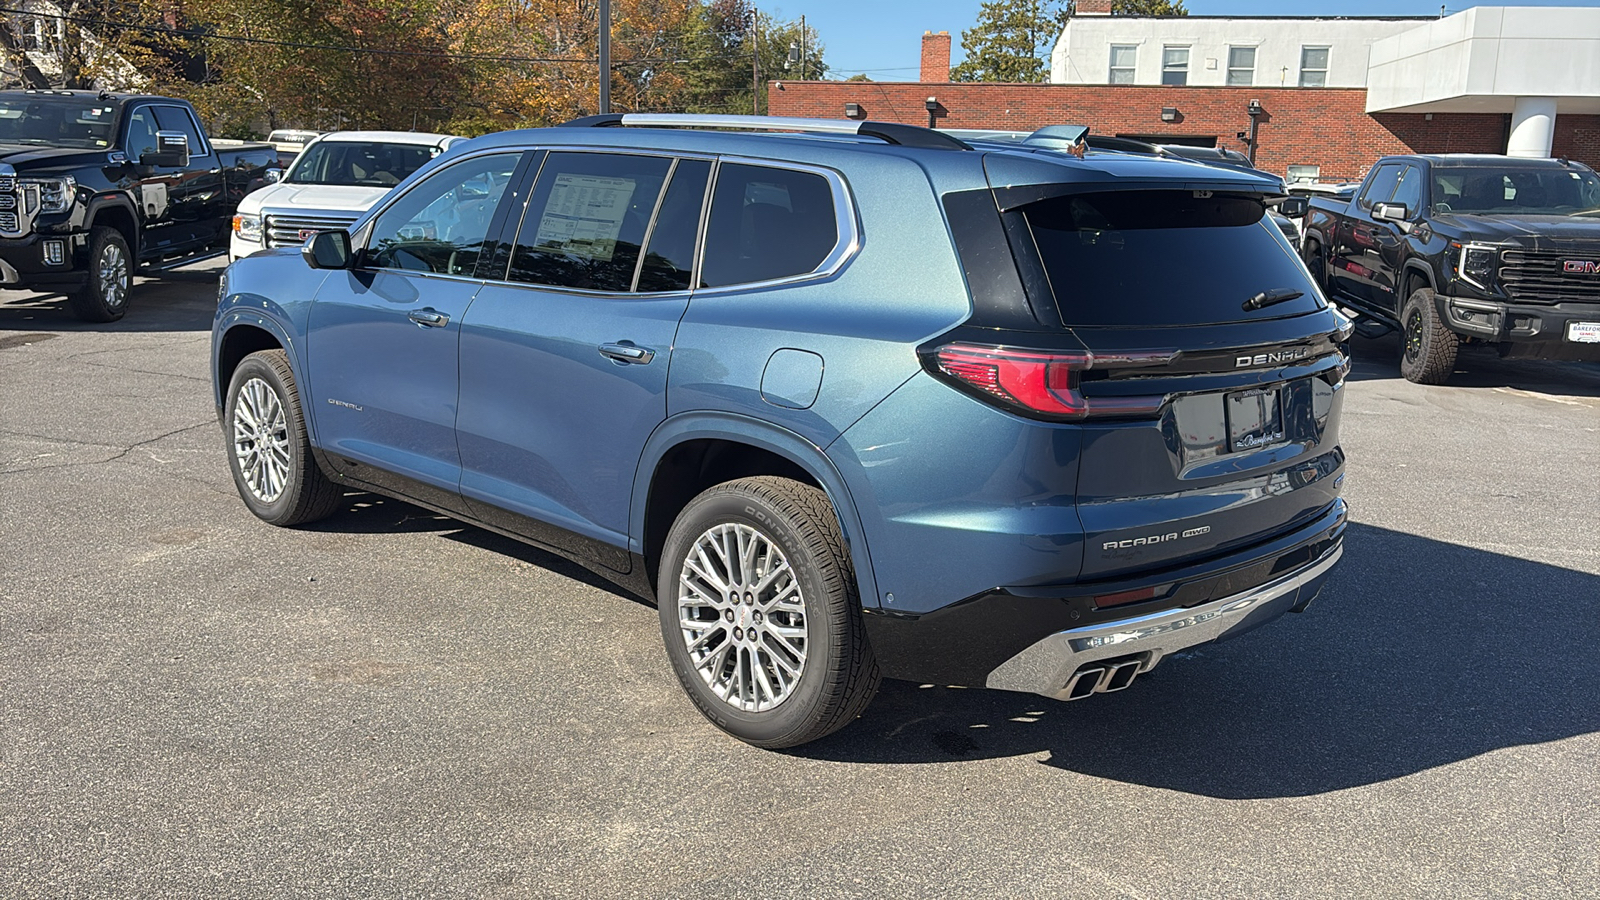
1534 63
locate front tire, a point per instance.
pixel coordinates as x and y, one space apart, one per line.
1315 265
760 613
1427 348
104 298
269 454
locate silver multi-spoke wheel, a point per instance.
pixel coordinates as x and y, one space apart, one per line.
261 439
112 273
742 617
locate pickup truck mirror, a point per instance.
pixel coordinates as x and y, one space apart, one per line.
272 176
328 250
172 149
1294 207
1391 212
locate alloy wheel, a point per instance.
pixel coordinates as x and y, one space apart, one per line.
742 617
113 275
261 440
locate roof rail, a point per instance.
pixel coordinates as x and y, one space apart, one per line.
888 132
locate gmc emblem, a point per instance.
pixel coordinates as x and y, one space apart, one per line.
1580 267
306 232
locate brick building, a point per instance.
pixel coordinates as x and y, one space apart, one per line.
1482 81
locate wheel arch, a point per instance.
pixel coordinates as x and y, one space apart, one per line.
239 336
1414 276
694 451
116 211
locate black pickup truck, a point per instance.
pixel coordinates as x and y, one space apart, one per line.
95 187
1466 248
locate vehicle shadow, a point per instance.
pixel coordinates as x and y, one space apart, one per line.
1481 367
181 300
1421 655
374 514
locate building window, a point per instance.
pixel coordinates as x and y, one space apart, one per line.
1242 65
1123 57
1175 65
1313 66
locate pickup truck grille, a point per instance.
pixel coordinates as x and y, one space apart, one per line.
287 231
1536 276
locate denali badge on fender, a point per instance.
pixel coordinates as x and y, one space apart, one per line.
1268 359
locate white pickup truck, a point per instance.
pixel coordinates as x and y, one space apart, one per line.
336 178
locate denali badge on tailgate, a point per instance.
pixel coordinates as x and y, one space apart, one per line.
1267 359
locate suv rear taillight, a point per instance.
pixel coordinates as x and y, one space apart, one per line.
1029 381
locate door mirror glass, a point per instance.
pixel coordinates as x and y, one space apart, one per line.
1294 207
1391 212
327 250
172 149
272 176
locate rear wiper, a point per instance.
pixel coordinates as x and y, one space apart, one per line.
1267 298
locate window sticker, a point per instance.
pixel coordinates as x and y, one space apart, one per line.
584 216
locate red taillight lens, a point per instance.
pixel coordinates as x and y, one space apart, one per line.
1031 380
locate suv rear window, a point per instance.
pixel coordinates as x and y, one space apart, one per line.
767 223
1158 258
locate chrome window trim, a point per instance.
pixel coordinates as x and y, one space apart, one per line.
847 238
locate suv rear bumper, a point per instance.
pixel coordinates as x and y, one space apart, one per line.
1524 329
1072 664
970 641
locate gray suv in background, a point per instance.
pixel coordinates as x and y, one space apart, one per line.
846 399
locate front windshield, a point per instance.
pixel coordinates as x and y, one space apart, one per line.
365 163
1496 191
56 122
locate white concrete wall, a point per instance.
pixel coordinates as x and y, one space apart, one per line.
1483 59
1082 54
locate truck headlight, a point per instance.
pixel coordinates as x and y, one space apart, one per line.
248 228
55 194
1477 264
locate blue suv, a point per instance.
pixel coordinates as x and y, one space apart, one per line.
848 399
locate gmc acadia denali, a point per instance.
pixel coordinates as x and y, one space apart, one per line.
848 399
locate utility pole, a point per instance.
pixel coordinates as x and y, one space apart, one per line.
605 56
802 48
755 66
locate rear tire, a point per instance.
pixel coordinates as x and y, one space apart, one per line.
104 297
1427 349
268 451
760 613
1313 258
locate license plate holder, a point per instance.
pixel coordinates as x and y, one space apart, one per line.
1255 419
1583 332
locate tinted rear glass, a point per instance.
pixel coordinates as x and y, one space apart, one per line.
767 223
1158 258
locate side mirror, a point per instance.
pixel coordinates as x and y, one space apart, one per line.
172 149
328 250
1391 212
1295 207
272 176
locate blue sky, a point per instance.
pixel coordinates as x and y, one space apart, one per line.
883 37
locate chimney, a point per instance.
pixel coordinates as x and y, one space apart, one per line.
936 57
1094 7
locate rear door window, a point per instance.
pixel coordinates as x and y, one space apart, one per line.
1163 258
669 256
766 224
587 219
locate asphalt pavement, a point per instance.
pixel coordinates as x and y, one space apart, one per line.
393 704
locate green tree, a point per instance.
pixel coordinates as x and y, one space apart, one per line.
1012 39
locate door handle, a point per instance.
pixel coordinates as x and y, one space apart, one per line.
627 352
428 317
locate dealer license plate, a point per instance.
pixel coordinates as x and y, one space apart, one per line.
1583 332
1255 419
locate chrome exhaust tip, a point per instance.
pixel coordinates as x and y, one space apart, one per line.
1084 683
1121 675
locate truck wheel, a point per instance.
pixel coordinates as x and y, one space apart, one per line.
104 298
271 458
1313 257
760 613
1427 348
